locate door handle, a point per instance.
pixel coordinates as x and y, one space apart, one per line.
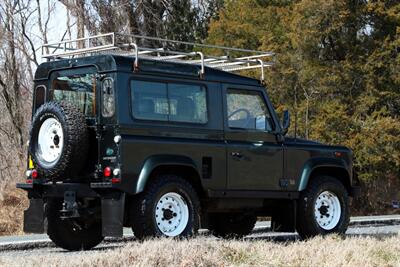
237 155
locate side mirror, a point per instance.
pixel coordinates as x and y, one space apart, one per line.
285 122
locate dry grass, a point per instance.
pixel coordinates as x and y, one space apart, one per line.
330 251
13 202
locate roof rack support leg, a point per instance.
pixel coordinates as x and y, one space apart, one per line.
136 62
202 70
262 70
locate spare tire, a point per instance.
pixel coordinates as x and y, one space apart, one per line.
58 140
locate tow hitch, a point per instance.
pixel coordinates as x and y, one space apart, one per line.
69 206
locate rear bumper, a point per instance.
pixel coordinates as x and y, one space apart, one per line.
112 205
57 190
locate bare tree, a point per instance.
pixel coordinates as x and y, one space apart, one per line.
78 10
9 80
44 27
18 61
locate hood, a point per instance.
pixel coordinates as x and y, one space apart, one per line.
292 140
300 141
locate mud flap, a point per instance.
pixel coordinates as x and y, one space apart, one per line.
112 215
34 217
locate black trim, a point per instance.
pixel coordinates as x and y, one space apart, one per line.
253 194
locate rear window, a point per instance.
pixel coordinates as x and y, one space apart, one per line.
169 102
77 87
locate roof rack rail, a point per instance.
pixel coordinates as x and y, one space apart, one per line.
127 44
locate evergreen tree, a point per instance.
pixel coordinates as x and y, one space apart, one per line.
336 70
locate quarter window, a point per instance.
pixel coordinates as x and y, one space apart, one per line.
247 110
169 102
40 96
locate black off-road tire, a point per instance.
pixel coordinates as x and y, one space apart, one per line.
142 211
67 235
231 225
75 145
307 225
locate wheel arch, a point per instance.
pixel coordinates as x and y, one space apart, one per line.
326 166
169 164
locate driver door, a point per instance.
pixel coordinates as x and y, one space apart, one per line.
254 157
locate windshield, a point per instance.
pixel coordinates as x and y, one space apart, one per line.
76 87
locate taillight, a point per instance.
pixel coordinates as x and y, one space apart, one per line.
31 175
107 172
34 174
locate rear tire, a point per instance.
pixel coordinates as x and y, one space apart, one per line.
58 140
168 207
323 208
66 234
232 225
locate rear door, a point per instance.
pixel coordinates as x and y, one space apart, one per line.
254 157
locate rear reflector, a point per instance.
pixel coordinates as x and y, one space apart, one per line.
115 180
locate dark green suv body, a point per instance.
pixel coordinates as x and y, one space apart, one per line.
165 151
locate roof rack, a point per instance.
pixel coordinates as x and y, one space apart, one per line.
126 44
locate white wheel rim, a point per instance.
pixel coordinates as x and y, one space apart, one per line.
171 214
50 141
327 210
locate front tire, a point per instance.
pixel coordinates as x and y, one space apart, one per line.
68 233
168 207
323 208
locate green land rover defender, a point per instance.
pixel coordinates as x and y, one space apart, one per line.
167 142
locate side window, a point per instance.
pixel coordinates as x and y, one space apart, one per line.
187 103
169 102
149 100
247 110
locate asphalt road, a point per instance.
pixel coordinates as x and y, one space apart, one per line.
30 245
